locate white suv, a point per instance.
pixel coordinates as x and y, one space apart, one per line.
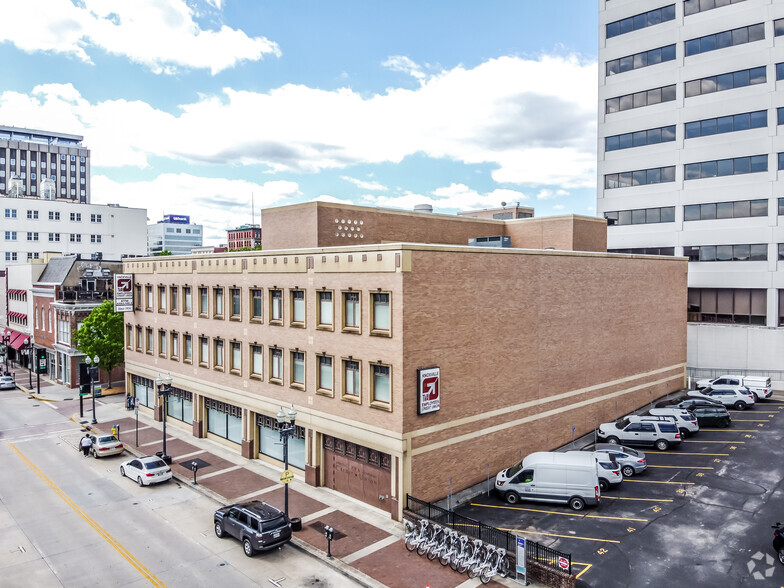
687 422
738 397
661 434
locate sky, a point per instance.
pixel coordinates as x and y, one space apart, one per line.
219 108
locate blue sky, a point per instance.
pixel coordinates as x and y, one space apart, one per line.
192 107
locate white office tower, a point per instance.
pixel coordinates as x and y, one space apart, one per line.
689 161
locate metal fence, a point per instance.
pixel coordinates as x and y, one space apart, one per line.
541 554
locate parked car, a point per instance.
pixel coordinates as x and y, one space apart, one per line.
712 416
7 383
759 386
740 398
256 524
104 445
661 434
684 401
548 476
632 461
687 424
607 469
146 470
778 541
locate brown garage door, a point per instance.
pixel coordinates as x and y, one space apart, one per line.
358 471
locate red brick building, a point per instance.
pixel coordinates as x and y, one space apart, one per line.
244 237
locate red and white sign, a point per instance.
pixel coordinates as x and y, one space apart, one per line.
563 563
429 390
123 292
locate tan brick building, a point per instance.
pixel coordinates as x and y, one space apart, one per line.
529 343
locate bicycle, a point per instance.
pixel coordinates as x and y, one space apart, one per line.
416 534
482 555
433 540
462 553
497 564
476 552
451 541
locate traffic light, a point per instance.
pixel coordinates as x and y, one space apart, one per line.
40 354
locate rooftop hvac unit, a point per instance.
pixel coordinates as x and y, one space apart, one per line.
48 189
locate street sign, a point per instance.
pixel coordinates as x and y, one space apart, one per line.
563 563
521 555
123 292
287 476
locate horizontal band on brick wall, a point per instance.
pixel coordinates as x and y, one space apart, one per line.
541 415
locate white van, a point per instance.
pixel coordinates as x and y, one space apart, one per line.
547 476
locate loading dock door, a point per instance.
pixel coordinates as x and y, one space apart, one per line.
358 471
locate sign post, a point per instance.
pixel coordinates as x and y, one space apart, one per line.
521 562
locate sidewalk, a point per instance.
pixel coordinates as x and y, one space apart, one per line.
367 545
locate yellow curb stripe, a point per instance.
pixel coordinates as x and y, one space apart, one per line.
90 521
527 532
587 567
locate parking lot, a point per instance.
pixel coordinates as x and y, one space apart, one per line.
699 516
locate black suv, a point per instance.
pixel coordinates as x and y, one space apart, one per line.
258 525
712 416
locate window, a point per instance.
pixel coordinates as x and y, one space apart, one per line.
640 138
75 238
381 389
162 343
32 214
236 357
276 305
236 303
256 359
53 237
780 166
218 359
187 302
95 238
719 210
702 253
351 381
726 167
641 216
351 311
95 218
175 345
203 302
224 420
298 369
33 236
187 348
298 308
381 315
325 315
640 60
148 289
642 177
778 27
640 21
10 255
149 348
174 298
726 124
76 217
204 351
749 34
64 333
256 306
11 236
139 341
695 6
640 99
270 445
10 213
137 297
324 375
217 302
276 365
54 215
726 305
161 298
728 81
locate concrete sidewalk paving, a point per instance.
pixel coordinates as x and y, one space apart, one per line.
367 546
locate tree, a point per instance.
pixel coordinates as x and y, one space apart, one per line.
164 252
101 334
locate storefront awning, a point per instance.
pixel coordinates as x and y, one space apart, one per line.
17 338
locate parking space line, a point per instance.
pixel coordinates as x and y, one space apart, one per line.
526 531
616 518
686 453
733 430
568 514
725 442
587 567
646 499
751 421
657 482
682 467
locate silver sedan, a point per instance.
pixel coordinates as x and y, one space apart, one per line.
632 461
104 445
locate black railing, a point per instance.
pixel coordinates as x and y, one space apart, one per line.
546 556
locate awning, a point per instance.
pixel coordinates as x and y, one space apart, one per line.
17 338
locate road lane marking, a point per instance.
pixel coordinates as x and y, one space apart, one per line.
686 453
656 482
646 499
725 442
527 532
90 521
682 467
566 514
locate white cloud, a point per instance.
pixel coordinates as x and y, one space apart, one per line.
405 65
548 194
532 121
159 34
217 203
364 184
328 198
452 197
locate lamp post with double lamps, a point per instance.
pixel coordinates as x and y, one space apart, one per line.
6 339
28 343
93 373
286 431
164 389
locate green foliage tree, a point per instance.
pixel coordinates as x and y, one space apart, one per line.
101 334
164 252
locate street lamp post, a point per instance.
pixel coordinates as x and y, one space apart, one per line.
29 347
164 389
286 431
6 339
92 372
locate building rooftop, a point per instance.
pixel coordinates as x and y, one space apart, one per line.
38 136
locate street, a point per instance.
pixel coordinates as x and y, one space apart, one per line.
66 520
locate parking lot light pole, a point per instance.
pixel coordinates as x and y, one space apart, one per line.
286 431
164 388
91 372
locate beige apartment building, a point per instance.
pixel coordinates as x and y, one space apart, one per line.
414 366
